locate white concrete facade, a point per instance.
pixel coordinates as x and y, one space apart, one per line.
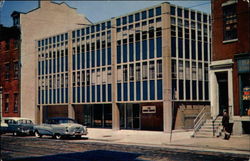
48 19
221 66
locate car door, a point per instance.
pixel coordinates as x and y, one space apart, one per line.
12 125
46 129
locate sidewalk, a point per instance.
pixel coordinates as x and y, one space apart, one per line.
180 140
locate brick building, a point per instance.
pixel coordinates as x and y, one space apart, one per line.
230 66
9 71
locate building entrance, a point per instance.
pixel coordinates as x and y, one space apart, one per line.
130 116
98 115
222 79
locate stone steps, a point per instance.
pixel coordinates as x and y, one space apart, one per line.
208 128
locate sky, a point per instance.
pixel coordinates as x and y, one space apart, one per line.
97 11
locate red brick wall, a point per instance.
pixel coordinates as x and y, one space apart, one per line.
11 86
221 51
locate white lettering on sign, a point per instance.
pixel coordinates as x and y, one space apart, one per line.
148 109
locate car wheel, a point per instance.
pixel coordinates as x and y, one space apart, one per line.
58 136
37 134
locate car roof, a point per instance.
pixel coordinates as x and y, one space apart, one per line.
15 118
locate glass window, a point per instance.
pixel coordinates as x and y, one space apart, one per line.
151 70
7 69
16 70
109 24
7 101
131 18
180 69
137 16
230 22
144 15
198 17
87 30
158 19
200 76
187 70
173 69
98 27
192 15
103 26
151 13
179 12
125 73
194 71
159 69
180 47
158 11
138 72
118 22
186 13
172 10
144 70
131 72
124 20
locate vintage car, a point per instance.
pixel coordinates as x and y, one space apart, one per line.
3 128
60 127
19 125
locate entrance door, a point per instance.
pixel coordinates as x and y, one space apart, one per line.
223 91
130 116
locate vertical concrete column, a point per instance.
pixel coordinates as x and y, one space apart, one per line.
115 109
166 68
71 110
213 93
115 117
41 114
230 93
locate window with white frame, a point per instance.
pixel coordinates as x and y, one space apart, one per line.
229 22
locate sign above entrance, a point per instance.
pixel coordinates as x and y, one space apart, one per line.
243 65
148 109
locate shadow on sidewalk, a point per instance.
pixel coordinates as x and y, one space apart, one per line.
95 155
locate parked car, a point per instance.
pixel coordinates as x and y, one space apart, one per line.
19 125
60 127
3 128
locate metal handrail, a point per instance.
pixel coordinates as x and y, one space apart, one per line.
199 115
200 122
213 124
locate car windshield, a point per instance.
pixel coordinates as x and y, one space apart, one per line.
64 121
24 122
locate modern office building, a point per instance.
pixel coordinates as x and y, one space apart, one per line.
136 71
47 19
9 72
230 66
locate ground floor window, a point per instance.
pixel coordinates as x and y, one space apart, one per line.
98 115
245 94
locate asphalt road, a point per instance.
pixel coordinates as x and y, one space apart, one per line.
28 148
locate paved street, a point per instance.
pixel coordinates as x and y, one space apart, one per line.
28 148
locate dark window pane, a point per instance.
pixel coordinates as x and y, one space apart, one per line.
151 13
131 18
144 15
137 16
172 10
158 11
